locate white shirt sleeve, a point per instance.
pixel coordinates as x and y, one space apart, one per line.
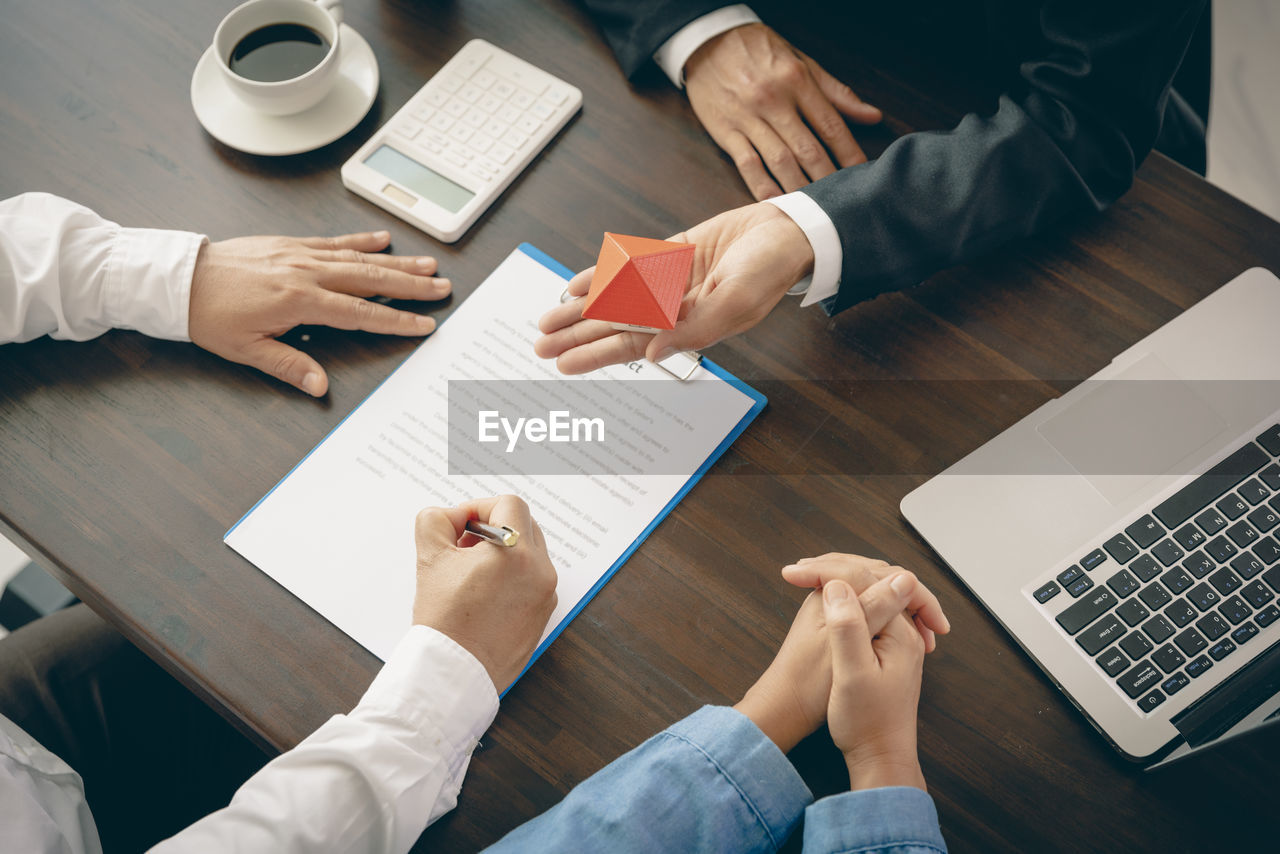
828 255
370 781
675 51
69 273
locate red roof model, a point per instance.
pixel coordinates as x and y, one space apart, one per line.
639 282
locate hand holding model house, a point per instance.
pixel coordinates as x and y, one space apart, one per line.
639 283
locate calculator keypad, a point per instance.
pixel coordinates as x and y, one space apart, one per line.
478 123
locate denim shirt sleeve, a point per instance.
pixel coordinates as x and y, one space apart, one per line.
712 782
897 819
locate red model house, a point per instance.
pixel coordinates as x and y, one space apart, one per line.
639 282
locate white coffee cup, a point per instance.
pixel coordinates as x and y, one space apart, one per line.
296 94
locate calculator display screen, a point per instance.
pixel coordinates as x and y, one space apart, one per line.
429 184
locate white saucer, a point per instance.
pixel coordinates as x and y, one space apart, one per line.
230 121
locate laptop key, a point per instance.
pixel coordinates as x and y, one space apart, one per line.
1079 586
1233 507
1267 615
1253 491
1168 552
1175 683
1084 612
1221 649
1211 521
1168 658
1113 662
1121 550
1149 702
1093 559
1225 580
1245 633
1195 496
1158 628
1198 564
1138 679
1132 612
1197 666
1235 610
1100 635
1047 592
1136 645
1203 596
1145 568
1221 549
1246 564
1189 536
1122 583
1145 531
1070 574
1242 533
1271 476
1272 577
1180 613
1176 580
1155 596
1271 440
1256 594
1212 625
1264 519
1267 550
1191 642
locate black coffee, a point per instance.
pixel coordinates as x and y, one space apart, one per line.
278 52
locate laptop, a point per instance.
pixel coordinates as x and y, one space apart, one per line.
1127 533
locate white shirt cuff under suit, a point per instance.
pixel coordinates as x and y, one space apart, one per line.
675 51
828 255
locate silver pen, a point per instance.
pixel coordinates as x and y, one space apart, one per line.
499 535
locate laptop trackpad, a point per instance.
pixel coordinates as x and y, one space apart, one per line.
1122 432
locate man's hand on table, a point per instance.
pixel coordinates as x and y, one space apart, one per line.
248 291
746 260
778 114
494 601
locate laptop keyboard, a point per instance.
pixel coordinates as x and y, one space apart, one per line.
1185 585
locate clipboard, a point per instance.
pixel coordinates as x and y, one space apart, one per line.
264 539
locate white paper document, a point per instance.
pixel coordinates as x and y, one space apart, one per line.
337 531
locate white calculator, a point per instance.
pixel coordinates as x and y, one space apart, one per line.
455 146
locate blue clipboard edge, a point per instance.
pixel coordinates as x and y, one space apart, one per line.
758 402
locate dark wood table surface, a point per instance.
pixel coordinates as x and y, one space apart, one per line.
123 460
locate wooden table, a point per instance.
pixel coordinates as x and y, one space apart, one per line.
123 460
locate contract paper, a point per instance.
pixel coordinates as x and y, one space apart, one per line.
337 531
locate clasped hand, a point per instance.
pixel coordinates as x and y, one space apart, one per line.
853 658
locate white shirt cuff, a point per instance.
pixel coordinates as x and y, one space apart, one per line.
828 255
675 51
440 690
148 281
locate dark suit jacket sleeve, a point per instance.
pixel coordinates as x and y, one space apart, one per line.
635 29
1088 86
